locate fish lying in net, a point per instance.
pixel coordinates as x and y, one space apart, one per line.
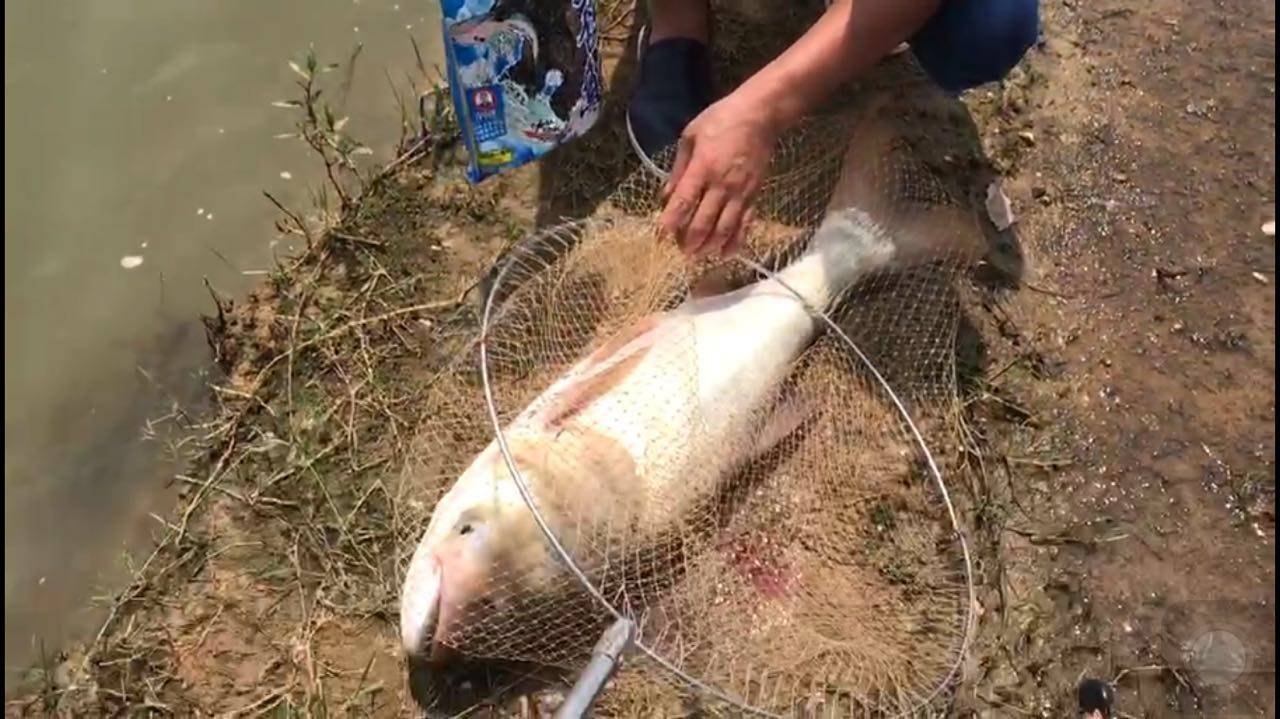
645 428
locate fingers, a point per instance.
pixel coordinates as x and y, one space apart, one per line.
684 153
735 242
706 217
728 227
698 238
683 200
708 194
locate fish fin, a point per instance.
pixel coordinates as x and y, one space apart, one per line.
602 370
715 281
937 231
616 343
579 394
781 423
874 182
862 181
570 469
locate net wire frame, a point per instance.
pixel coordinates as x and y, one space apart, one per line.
909 661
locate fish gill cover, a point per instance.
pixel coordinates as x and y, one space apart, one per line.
525 76
827 572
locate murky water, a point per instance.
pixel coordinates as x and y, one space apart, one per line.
143 129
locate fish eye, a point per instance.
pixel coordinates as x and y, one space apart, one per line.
466 523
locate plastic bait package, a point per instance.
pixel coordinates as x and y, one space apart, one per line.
525 77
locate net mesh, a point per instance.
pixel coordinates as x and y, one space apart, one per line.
789 555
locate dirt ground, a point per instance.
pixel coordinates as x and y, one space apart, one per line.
1119 367
1149 336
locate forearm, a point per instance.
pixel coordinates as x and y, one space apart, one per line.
851 37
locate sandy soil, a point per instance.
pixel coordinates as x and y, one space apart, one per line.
1119 365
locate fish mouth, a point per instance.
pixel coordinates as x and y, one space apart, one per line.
421 608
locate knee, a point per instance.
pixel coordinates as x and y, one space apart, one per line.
1011 32
972 42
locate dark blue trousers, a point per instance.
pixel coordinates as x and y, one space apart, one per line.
972 42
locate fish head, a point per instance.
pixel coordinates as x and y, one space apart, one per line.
482 557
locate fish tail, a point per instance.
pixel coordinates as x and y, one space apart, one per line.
873 220
847 246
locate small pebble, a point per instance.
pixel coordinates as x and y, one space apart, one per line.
130 261
200 211
1261 278
1269 228
286 175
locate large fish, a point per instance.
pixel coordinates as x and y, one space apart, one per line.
648 425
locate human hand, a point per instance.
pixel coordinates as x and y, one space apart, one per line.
721 160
